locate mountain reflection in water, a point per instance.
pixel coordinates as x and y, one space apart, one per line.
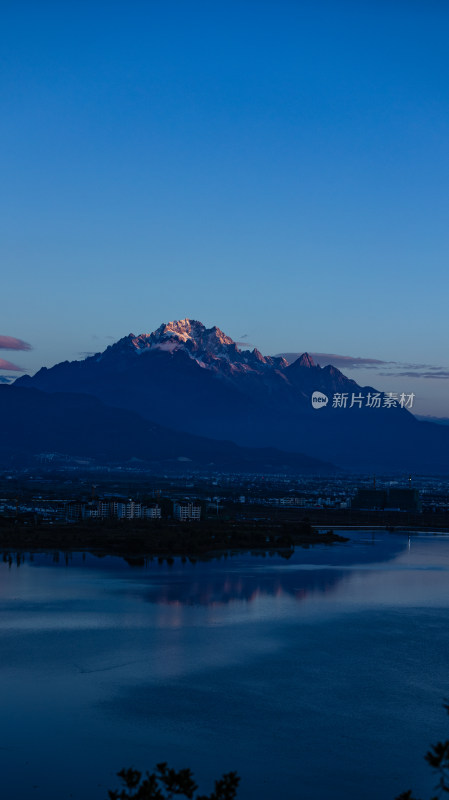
223 579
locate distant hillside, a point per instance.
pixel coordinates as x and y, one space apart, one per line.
36 422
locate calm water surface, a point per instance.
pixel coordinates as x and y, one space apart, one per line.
318 677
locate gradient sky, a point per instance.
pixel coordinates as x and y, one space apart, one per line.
278 169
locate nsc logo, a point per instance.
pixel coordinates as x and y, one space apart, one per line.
319 400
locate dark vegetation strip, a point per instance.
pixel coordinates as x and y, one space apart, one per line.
162 537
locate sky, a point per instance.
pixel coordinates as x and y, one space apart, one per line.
279 169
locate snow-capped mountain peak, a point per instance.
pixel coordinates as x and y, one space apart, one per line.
209 347
193 334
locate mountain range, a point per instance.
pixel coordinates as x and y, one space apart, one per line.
196 380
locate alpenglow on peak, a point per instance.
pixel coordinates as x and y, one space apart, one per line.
208 346
191 329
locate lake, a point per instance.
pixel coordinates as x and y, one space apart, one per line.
321 676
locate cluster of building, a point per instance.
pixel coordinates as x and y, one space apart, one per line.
385 498
119 510
300 502
116 509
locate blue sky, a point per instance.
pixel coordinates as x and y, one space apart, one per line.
278 169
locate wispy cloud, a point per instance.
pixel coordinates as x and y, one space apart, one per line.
438 373
350 362
11 343
6 378
243 342
12 367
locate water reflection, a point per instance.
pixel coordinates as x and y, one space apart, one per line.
223 579
224 589
255 664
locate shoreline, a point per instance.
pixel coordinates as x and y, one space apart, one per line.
165 540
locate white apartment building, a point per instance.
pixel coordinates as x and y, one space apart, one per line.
130 510
120 510
186 511
151 512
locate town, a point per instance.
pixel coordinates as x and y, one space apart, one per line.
66 495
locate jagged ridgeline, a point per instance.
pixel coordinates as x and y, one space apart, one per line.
197 380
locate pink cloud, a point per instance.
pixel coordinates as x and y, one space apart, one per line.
10 343
7 365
